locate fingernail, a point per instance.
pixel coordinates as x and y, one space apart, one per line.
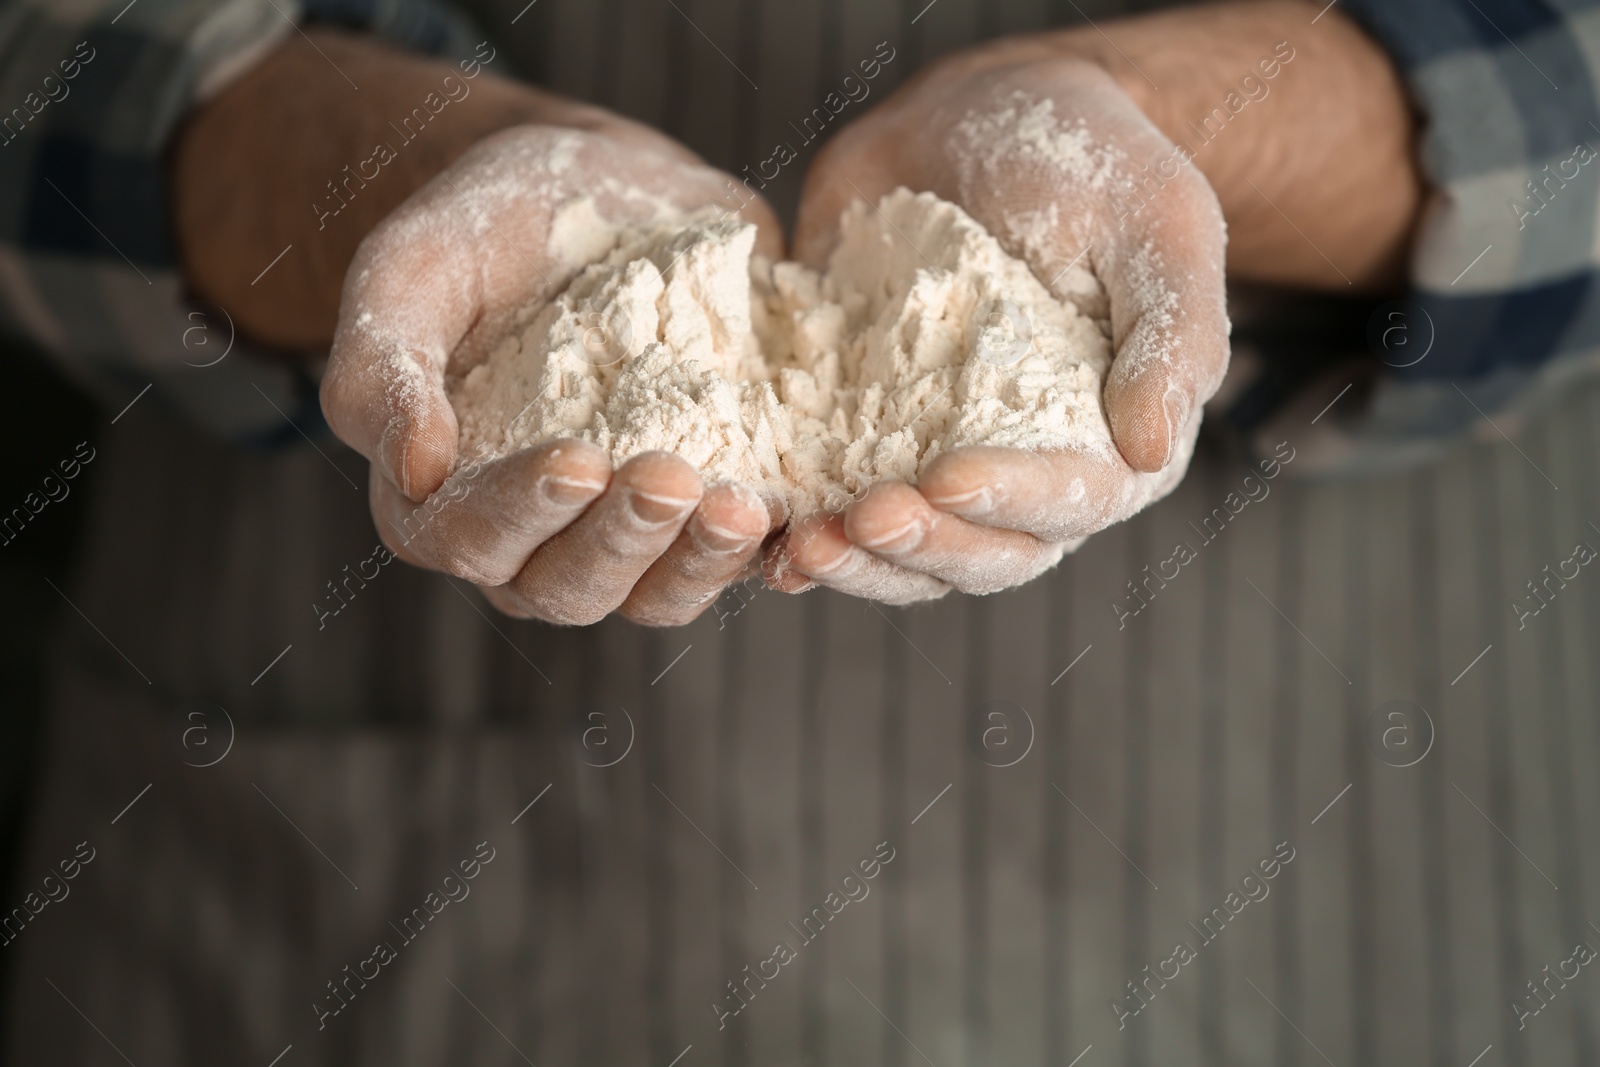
979 501
654 510
1176 411
568 491
775 562
908 537
392 447
849 555
718 540
778 573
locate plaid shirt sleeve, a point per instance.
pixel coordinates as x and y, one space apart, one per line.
1504 312
90 95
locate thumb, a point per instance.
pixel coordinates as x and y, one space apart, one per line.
1163 272
411 295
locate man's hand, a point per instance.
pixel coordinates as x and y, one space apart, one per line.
1064 148
553 531
1034 151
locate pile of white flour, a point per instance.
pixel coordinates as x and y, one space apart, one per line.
923 335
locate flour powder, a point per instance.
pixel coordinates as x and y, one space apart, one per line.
921 336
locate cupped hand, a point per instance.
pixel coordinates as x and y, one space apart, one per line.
552 532
1057 161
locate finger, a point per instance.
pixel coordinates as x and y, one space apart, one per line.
410 296
713 549
486 520
1055 496
506 601
384 500
776 571
1153 234
1156 244
1169 318
822 552
586 571
444 277
895 523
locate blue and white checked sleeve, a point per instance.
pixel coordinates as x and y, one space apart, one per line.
1503 297
90 96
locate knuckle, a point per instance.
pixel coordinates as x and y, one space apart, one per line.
335 393
661 611
487 563
399 547
552 613
558 603
473 568
507 604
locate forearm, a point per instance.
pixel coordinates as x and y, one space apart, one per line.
1315 167
289 156
1331 144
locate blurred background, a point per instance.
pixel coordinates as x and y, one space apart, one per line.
1067 793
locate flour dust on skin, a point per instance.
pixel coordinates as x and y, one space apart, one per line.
921 336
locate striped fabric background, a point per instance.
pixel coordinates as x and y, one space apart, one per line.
753 764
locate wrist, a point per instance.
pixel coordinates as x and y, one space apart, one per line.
1303 130
290 156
